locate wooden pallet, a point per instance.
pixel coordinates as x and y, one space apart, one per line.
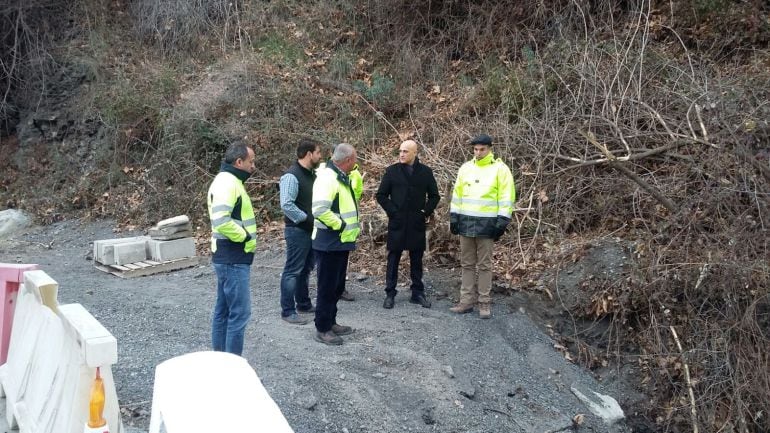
147 267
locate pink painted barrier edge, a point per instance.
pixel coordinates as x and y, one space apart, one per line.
11 276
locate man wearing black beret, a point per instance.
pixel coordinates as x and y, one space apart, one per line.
481 208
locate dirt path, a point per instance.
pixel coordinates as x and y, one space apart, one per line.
407 369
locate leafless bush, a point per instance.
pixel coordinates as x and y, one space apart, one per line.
608 132
180 25
25 38
627 140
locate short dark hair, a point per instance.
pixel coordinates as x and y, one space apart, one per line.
236 149
306 145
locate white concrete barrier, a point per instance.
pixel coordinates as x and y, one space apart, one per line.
205 392
52 360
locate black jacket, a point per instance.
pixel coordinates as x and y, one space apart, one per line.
408 200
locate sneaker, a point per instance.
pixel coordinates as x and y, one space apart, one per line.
485 311
306 311
461 308
341 329
294 319
388 303
347 296
328 337
420 300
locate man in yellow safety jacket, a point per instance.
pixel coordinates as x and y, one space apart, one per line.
336 228
233 241
357 182
481 208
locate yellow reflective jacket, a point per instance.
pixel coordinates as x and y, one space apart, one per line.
482 198
233 225
335 209
357 182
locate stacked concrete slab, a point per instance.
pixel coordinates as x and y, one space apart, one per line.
161 251
169 240
172 228
121 251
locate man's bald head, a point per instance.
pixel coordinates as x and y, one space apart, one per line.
407 152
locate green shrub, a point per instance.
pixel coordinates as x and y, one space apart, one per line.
277 48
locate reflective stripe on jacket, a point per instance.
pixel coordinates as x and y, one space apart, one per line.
233 225
334 201
484 190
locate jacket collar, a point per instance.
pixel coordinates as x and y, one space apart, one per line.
309 171
341 175
237 172
415 164
487 160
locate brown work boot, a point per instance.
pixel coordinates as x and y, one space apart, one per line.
341 329
461 308
347 296
485 312
328 337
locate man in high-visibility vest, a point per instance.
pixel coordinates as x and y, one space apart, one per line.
336 228
357 182
233 241
481 208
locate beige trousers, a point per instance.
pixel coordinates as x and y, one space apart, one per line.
476 258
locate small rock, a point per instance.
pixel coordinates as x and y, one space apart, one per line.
342 377
518 392
448 371
13 221
379 375
308 402
427 416
468 392
603 406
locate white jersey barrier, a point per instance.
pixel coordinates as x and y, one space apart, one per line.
206 392
52 360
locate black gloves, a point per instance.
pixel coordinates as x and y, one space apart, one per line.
454 224
500 225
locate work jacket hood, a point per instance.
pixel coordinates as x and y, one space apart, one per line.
237 172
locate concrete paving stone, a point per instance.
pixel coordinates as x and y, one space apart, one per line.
162 251
130 252
175 221
104 249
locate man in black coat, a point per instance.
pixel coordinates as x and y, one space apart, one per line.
409 195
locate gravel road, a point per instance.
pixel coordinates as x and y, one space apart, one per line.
408 369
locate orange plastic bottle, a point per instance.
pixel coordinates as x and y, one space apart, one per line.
96 404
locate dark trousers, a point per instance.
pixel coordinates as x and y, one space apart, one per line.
415 272
296 271
332 267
